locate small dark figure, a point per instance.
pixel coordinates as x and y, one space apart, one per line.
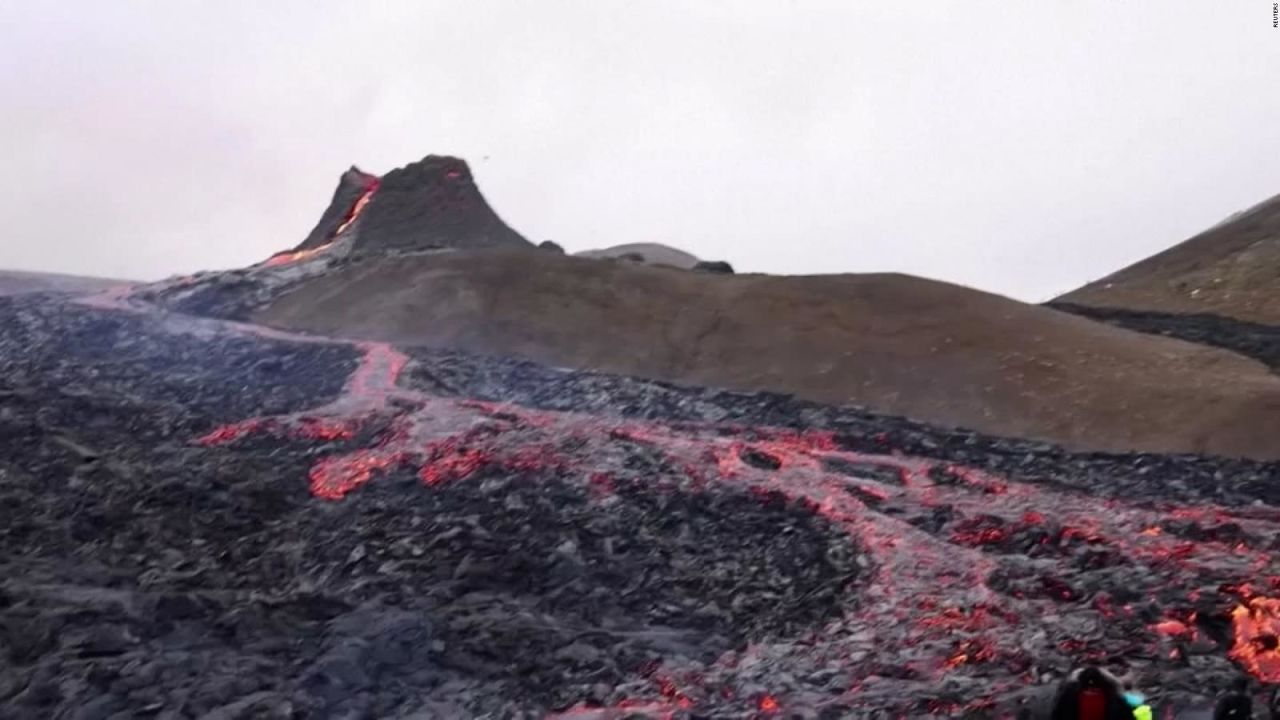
1091 693
719 267
1236 704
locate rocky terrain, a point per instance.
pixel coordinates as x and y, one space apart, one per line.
211 519
416 509
1230 270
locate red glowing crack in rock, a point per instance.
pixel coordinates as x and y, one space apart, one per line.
427 437
929 593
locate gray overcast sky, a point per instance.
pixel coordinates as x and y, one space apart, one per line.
1019 147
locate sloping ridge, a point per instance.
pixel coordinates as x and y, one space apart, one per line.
651 253
896 344
1231 269
17 282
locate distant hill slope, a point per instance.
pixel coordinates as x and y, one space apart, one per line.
1231 269
653 254
17 282
893 343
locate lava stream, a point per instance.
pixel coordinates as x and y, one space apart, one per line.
353 214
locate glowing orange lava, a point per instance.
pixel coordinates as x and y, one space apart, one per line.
1172 628
970 652
290 257
358 207
1257 636
353 214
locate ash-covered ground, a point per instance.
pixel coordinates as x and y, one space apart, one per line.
206 519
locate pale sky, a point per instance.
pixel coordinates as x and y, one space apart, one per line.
1019 147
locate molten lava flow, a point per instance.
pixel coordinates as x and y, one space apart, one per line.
1257 637
233 432
352 215
325 430
285 258
969 652
358 207
310 428
1172 628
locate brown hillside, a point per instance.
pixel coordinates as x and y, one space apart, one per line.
896 344
1232 269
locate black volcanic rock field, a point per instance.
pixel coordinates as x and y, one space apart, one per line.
204 517
415 467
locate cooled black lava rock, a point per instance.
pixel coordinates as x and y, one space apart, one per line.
170 575
886 474
760 459
113 365
1255 340
213 580
551 247
718 267
232 298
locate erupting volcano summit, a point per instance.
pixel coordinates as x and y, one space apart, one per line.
432 203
